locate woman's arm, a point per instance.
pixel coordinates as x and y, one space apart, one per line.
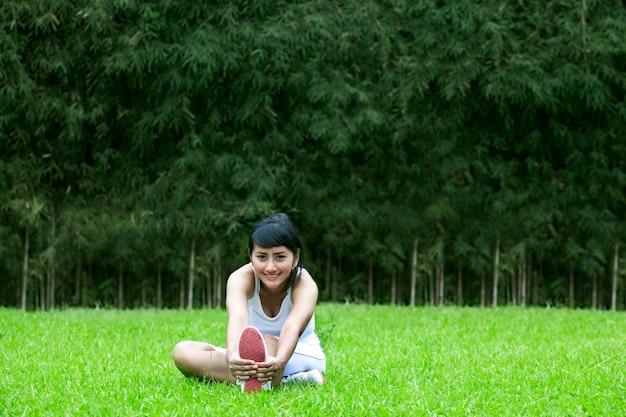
239 288
304 296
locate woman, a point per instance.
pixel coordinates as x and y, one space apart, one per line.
271 324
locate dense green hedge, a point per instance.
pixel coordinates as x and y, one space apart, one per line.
138 136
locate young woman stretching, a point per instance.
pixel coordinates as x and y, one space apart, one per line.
271 323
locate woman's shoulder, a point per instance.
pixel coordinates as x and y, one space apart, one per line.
305 281
242 278
244 270
305 292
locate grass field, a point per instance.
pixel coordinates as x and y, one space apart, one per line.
382 360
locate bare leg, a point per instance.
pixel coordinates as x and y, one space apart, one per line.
271 342
202 361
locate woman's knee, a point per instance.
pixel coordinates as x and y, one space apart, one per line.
271 342
183 355
182 352
190 357
185 351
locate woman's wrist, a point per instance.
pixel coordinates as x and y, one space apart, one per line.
281 362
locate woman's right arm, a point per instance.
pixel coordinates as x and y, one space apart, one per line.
239 287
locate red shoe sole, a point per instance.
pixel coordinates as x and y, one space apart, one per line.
252 385
252 346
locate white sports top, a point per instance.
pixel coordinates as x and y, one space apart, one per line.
273 325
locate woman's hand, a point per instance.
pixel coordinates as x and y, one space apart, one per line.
267 371
242 369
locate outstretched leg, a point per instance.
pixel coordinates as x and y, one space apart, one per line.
272 347
202 360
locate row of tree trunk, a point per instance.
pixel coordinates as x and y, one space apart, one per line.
431 277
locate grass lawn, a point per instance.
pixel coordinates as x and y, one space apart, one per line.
382 360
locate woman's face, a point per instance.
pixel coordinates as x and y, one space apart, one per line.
273 265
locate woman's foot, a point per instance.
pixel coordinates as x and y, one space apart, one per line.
313 376
252 346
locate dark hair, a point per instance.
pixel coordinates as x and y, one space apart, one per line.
277 230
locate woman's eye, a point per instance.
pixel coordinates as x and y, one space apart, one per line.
261 257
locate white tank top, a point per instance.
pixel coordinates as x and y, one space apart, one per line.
273 325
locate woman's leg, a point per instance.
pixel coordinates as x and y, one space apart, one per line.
304 358
271 342
202 360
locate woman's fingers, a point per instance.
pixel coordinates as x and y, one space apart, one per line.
265 371
243 368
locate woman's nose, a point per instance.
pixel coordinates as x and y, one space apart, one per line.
271 265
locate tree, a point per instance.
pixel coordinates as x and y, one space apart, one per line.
141 141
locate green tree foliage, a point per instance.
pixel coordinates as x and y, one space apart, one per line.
137 136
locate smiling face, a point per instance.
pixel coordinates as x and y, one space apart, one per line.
273 265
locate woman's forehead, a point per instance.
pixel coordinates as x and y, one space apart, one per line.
274 249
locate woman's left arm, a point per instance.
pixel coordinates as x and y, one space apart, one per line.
304 296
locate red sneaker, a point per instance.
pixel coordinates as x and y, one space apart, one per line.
251 345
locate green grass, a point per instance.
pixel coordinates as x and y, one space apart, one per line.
382 361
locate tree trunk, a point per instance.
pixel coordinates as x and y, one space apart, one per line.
436 278
120 290
441 280
25 269
84 292
534 287
459 286
394 289
521 292
209 288
432 285
192 265
181 293
214 287
512 286
51 273
159 288
370 284
496 274
483 290
328 273
538 297
217 280
614 280
334 288
594 293
42 292
50 284
413 274
571 286
79 273
144 293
